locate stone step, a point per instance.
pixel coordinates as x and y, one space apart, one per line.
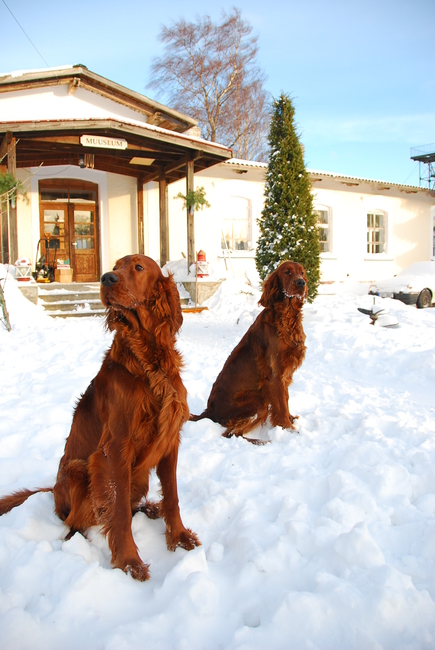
70 287
79 313
74 296
75 299
72 305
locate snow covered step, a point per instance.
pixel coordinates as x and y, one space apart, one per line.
76 299
72 299
77 313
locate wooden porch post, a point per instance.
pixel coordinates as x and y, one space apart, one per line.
164 218
140 221
190 187
13 229
4 148
4 233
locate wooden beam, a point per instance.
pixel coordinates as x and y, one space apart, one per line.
37 141
171 167
177 164
12 157
190 186
4 232
164 218
5 144
140 218
13 226
4 149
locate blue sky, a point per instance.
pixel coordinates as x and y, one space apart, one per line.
361 72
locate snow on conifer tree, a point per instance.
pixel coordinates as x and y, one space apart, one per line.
288 228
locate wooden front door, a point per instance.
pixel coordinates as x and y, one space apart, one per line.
83 242
68 214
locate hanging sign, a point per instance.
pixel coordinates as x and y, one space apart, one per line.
103 142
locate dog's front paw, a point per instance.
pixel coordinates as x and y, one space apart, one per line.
137 569
286 422
187 539
152 509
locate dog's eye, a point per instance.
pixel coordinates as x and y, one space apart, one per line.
138 267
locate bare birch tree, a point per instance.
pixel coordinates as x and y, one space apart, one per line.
209 71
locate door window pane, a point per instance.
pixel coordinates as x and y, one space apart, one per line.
54 194
84 232
82 196
83 229
54 224
85 243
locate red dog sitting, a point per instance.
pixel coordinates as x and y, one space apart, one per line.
128 421
254 381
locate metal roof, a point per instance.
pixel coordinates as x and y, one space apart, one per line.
342 177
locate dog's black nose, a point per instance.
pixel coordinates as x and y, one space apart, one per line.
108 279
300 283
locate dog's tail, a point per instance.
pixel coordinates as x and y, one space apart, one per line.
17 498
195 418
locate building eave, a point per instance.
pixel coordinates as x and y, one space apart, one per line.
79 76
350 181
149 151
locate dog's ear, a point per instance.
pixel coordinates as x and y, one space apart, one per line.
167 304
272 291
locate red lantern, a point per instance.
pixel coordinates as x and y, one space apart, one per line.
201 264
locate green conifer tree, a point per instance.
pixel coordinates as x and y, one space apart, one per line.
288 228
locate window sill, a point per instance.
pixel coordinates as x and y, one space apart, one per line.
378 257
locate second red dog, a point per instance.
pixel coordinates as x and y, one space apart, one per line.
254 381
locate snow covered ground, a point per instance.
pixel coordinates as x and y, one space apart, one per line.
324 538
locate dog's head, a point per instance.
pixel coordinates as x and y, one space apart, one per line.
287 283
135 284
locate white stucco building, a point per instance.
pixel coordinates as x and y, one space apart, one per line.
102 164
370 229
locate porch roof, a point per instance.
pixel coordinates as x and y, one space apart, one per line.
159 146
158 143
149 149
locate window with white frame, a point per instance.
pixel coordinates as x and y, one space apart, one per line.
236 224
376 231
324 225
